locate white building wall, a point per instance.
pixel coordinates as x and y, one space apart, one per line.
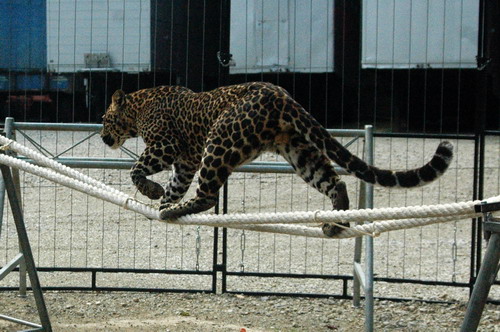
420 33
118 28
281 35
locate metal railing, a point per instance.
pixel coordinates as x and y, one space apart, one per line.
88 162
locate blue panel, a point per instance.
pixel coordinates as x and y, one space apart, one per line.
59 83
23 35
30 82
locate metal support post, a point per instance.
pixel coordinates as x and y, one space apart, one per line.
358 280
487 272
369 303
363 276
27 255
10 133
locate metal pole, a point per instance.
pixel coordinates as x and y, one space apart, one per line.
9 133
485 278
26 247
358 245
369 303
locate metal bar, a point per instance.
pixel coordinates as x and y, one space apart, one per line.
274 167
215 259
19 321
359 274
117 289
487 207
369 301
480 195
418 135
309 295
57 126
10 133
37 145
475 239
358 245
126 163
76 144
492 132
244 274
492 226
98 127
224 240
11 265
26 247
129 152
122 270
482 286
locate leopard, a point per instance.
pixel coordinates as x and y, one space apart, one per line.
212 133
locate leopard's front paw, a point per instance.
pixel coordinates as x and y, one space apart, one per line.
168 213
151 189
331 230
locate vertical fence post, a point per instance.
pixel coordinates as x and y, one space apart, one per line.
224 48
363 276
9 133
25 248
369 303
358 246
488 61
488 271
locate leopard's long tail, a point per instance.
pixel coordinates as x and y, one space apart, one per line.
388 178
302 122
335 151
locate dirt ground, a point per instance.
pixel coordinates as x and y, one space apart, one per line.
80 311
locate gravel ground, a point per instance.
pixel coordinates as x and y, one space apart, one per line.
69 229
208 312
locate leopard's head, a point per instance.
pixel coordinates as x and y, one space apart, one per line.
118 124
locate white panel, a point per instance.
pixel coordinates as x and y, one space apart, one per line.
282 35
420 34
120 28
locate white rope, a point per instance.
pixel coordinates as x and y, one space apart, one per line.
372 229
8 144
114 196
387 219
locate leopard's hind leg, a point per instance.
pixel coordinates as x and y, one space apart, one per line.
316 170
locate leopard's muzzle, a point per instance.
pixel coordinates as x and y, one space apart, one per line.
108 140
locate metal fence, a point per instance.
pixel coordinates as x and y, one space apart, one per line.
418 71
96 255
80 242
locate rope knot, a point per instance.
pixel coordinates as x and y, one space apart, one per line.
125 203
5 147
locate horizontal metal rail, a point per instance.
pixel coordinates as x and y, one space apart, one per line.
57 126
127 163
97 127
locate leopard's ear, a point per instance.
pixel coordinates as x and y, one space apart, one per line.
118 97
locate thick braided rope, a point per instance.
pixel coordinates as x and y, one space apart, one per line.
405 217
115 197
47 162
232 220
465 209
372 229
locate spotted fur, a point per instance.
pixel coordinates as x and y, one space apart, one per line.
214 132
